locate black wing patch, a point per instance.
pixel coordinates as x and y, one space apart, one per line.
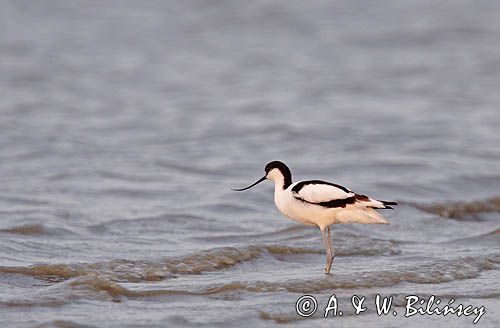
335 202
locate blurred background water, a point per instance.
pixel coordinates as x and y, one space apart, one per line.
123 124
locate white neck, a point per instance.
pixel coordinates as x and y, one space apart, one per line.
278 178
279 182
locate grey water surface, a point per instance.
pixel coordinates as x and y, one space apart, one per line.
124 124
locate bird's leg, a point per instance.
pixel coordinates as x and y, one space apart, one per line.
330 246
325 232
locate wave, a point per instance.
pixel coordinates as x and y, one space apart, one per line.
28 229
62 324
432 273
152 223
280 318
492 237
229 208
196 263
136 271
24 201
99 287
463 210
293 232
345 243
189 169
129 177
36 230
62 271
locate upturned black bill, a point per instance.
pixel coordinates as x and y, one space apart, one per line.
250 186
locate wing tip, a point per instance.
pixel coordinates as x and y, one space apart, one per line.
388 204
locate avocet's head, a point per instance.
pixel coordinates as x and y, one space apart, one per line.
276 171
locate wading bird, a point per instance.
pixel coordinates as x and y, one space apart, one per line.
320 203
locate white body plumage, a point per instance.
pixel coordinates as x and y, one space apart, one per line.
290 205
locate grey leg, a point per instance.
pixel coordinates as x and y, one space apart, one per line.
327 241
330 244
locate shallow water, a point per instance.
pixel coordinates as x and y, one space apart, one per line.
124 126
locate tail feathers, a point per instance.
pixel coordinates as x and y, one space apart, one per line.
387 204
374 203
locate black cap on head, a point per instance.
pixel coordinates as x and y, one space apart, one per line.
283 169
276 165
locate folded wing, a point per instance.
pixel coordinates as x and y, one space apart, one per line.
323 193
